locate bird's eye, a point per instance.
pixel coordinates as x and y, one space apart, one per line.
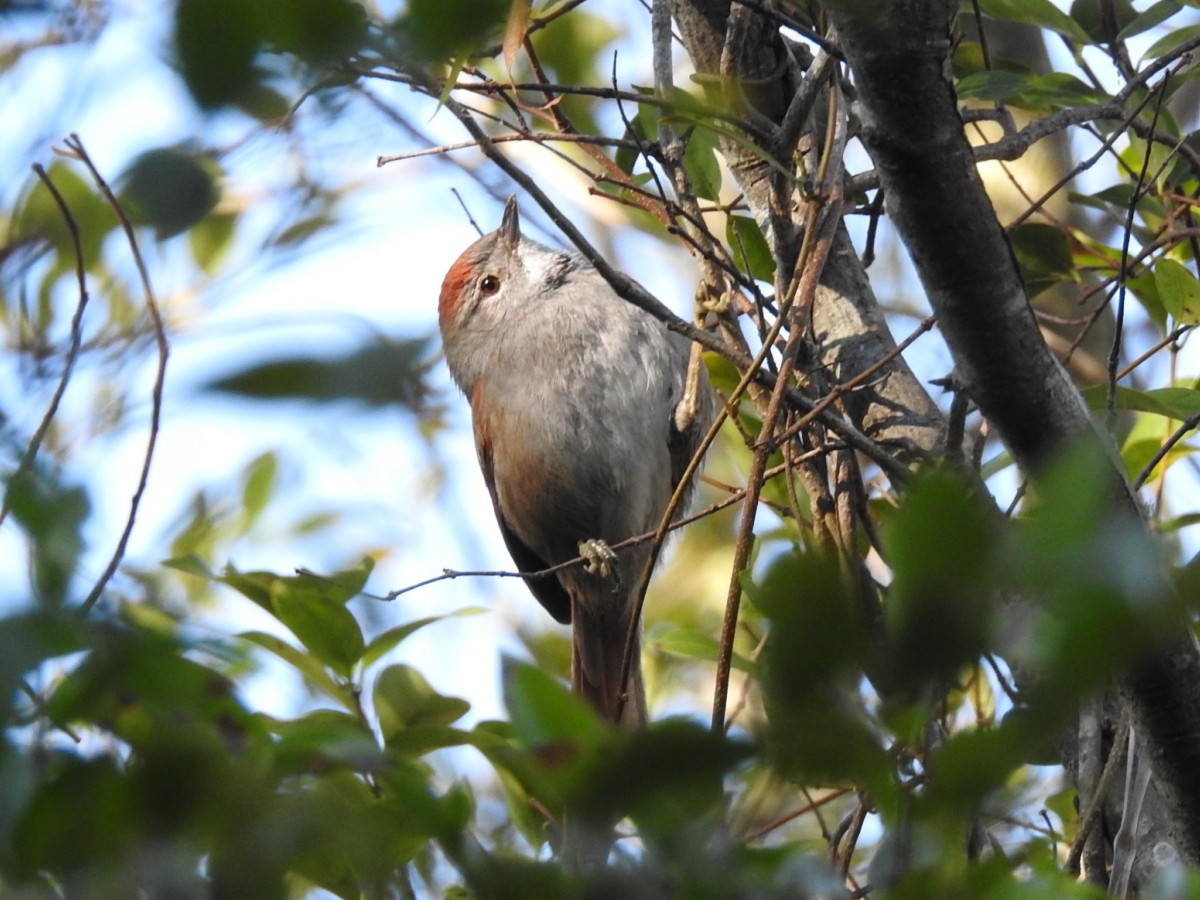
489 285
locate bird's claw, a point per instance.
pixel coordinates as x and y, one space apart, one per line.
599 557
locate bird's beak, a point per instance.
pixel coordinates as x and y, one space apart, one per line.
510 225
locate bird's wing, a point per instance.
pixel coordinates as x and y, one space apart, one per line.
548 591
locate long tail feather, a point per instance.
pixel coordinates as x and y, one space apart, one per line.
599 633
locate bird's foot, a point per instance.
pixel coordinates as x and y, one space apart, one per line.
599 558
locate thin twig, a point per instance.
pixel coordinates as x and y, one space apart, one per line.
76 149
1114 355
1189 424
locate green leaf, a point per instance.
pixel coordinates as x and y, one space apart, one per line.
992 84
1145 289
1155 14
138 685
751 253
325 737
404 700
341 587
390 639
82 815
38 217
169 189
1027 90
52 514
939 543
667 776
1044 254
701 163
216 42
211 239
812 665
257 486
307 665
30 638
255 586
1103 26
378 374
1042 13
298 232
442 28
1171 41
1172 402
972 764
542 710
1179 291
689 643
320 620
1097 575
316 30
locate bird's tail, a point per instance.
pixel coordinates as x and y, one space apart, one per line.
599 633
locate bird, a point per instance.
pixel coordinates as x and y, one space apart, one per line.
583 426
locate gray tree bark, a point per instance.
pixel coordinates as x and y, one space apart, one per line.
745 52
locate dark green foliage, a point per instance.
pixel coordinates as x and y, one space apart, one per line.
169 189
378 374
52 515
218 42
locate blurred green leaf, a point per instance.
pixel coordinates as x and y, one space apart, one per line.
542 710
379 374
216 42
29 639
320 619
211 239
443 28
322 739
169 189
390 639
81 816
38 216
1173 402
812 664
315 30
1042 13
139 685
299 232
341 587
1171 40
309 666
404 700
575 49
939 543
1103 25
257 486
992 84
1097 575
667 776
688 643
1154 15
52 514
